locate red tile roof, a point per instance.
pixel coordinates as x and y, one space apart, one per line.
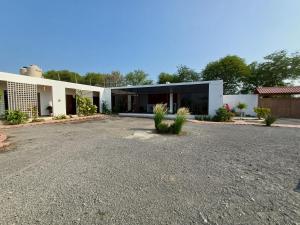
277 90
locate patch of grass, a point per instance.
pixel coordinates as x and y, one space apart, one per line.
60 117
37 120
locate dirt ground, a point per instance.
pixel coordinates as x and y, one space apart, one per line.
118 171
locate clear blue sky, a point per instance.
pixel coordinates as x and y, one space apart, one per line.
152 35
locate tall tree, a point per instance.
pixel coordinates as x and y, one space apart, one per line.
137 77
95 79
276 70
64 75
114 79
167 77
231 69
185 74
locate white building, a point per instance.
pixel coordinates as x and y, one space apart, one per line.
23 92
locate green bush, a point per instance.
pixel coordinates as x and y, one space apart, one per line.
222 115
163 128
16 117
85 106
269 120
60 117
203 117
160 111
262 112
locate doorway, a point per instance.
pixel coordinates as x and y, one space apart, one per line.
70 105
96 100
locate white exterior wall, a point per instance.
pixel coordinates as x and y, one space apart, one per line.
45 99
59 100
87 94
215 99
105 96
250 100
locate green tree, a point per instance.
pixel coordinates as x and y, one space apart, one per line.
277 69
114 79
137 77
167 77
95 79
231 69
64 75
185 74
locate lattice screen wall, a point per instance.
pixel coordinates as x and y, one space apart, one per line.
22 97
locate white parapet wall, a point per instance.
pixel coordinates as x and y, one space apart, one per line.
250 100
215 99
105 97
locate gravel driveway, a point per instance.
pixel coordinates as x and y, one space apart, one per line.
118 172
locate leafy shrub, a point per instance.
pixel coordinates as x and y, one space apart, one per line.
60 117
222 115
269 120
203 117
105 109
85 106
15 117
160 111
262 112
163 128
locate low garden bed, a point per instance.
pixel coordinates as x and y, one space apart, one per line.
54 120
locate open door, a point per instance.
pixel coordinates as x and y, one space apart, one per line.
96 100
70 105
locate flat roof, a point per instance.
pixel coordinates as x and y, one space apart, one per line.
167 85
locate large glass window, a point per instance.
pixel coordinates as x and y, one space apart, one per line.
142 100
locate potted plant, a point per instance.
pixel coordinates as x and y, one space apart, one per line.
241 106
50 109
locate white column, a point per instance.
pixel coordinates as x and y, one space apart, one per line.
171 103
215 97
